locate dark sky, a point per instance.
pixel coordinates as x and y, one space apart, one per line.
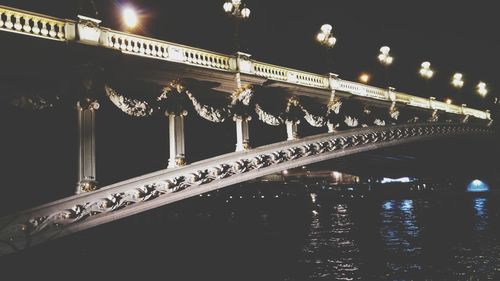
454 35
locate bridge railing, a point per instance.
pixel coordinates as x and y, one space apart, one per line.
158 49
33 24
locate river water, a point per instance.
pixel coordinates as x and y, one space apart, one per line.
439 236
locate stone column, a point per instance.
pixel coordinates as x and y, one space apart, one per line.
176 140
86 111
292 130
242 134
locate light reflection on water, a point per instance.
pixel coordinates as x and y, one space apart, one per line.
332 249
330 252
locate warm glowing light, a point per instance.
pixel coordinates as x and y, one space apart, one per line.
285 172
129 17
457 80
364 78
236 2
384 57
448 101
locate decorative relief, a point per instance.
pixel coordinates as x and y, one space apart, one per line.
244 164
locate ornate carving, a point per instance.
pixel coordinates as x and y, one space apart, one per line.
267 118
131 107
209 113
243 164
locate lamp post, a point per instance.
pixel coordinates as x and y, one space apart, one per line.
238 12
325 38
457 82
386 60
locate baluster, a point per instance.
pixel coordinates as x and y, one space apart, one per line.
148 51
52 32
60 33
136 47
1 15
35 29
123 46
153 50
18 26
129 45
26 26
44 27
117 42
160 51
8 22
165 52
141 48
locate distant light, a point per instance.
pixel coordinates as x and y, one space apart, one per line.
425 70
457 80
245 13
481 89
389 180
384 56
303 167
228 7
321 36
130 17
325 36
326 28
285 172
448 101
364 77
477 186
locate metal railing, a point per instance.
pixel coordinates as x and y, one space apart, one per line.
33 24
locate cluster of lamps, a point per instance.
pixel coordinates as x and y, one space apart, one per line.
325 36
233 8
384 57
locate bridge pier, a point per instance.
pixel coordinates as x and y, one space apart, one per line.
86 111
292 129
242 133
176 140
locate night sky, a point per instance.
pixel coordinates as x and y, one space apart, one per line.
454 36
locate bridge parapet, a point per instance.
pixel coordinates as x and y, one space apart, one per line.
33 24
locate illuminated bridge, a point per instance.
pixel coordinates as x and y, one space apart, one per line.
219 88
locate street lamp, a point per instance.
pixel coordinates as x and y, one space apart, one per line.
364 77
481 89
129 17
234 9
425 70
325 36
384 57
457 80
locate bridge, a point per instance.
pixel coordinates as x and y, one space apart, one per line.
355 117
